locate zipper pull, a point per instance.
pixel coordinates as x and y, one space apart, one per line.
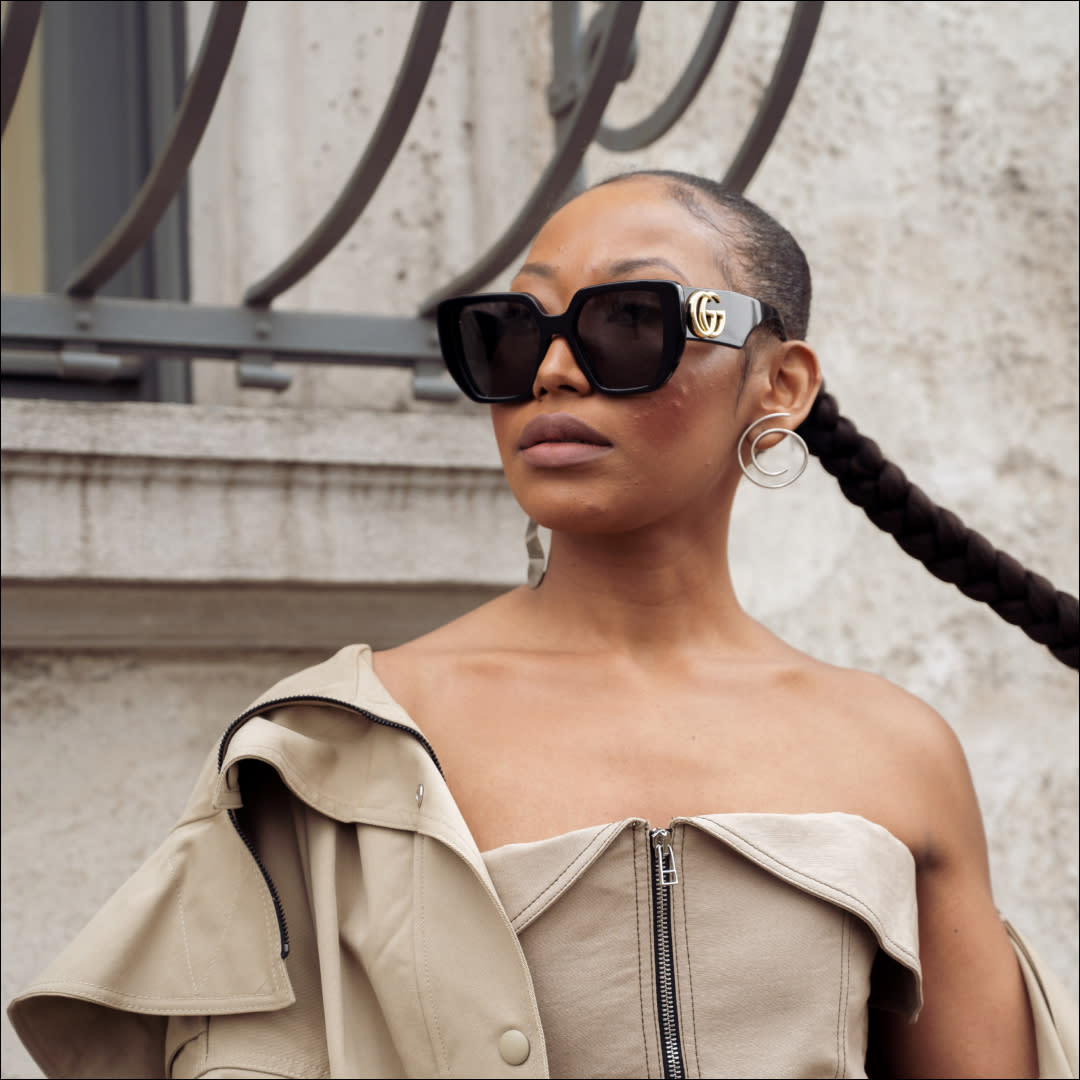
665 857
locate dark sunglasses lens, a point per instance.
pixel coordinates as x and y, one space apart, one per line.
500 345
622 333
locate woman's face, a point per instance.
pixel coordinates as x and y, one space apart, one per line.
664 455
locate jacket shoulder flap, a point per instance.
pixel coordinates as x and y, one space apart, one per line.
193 932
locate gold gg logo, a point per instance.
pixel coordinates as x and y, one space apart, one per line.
706 322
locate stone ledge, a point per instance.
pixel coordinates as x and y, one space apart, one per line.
196 618
171 494
188 527
249 433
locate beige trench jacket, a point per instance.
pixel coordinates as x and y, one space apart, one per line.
346 852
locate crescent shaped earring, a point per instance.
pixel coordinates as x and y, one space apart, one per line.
752 467
535 550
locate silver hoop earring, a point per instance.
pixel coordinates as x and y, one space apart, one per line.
771 478
535 550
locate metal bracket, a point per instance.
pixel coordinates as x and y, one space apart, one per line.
73 361
256 370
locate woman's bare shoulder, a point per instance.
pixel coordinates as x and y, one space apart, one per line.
893 717
415 669
910 759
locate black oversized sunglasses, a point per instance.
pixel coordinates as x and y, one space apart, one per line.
626 336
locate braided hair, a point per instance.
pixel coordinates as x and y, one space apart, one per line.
765 261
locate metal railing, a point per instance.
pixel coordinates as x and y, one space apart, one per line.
78 334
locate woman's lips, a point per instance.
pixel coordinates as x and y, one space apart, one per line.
559 439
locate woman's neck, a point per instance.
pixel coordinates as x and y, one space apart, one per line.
652 589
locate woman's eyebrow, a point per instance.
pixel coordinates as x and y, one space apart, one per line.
628 266
544 270
615 269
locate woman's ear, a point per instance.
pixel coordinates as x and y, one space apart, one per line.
792 380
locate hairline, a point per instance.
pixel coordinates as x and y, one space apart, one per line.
688 197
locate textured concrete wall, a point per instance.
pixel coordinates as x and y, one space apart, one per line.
928 165
99 753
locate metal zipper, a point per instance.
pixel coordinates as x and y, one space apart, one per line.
664 875
307 699
279 908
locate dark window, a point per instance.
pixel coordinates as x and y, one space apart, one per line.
112 76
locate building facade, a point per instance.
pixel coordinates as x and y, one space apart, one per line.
164 562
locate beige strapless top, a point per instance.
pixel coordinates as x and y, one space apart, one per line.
725 945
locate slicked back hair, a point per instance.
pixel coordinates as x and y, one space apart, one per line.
760 258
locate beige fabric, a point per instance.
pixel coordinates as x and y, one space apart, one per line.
1057 1025
773 975
403 960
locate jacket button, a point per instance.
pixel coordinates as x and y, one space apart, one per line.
514 1047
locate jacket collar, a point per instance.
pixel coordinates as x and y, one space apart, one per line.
347 676
342 745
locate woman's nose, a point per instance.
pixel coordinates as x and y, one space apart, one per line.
559 371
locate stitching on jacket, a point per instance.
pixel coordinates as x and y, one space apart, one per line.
365 661
840 996
797 876
269 920
421 845
212 963
637 927
252 997
273 1064
258 1059
183 925
686 942
572 865
270 1070
847 995
841 1004
232 1004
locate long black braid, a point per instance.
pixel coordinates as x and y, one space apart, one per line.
777 273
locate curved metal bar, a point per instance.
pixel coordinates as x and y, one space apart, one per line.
778 95
607 70
667 113
376 159
168 172
16 39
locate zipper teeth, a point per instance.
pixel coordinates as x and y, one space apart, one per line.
279 909
321 700
670 1049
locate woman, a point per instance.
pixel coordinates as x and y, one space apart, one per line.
703 849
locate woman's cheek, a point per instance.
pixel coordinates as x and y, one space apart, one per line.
681 422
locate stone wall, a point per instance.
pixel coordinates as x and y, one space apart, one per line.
161 565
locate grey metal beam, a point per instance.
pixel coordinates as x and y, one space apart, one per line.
85 365
778 94
567 77
166 76
668 112
16 40
610 63
156 327
93 134
170 168
389 132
